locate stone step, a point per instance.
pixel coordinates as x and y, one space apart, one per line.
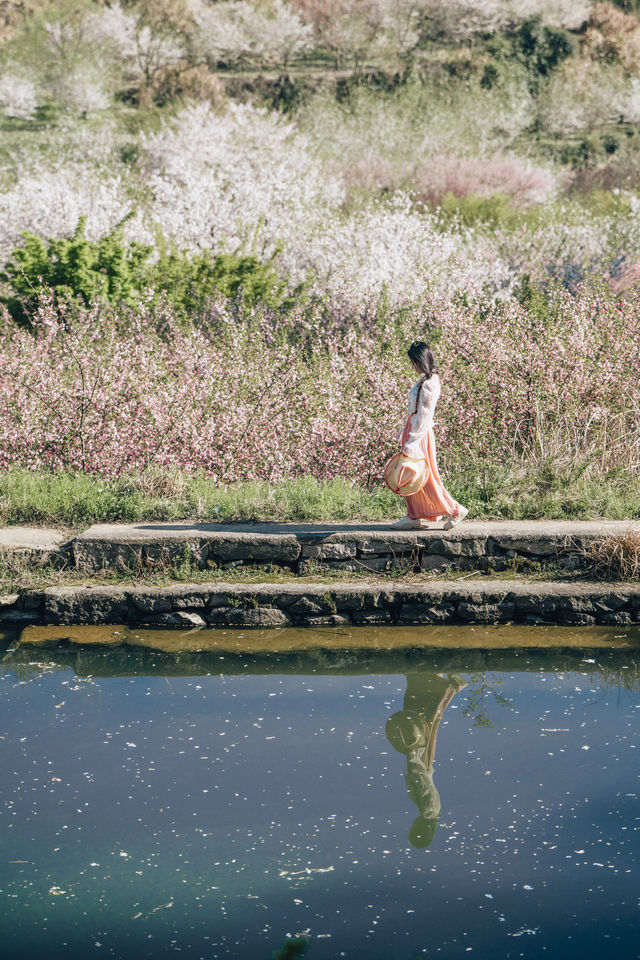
351 547
193 606
37 542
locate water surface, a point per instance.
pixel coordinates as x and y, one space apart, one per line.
386 799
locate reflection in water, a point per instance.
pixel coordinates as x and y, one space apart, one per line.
413 732
209 802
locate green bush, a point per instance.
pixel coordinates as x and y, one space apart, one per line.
188 282
536 47
73 266
111 270
544 47
606 202
494 209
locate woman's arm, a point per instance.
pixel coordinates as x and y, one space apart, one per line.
423 419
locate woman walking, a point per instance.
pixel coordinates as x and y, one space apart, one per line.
432 502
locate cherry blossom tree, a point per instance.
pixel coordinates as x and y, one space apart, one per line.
586 94
280 33
236 32
563 14
18 92
402 26
347 29
114 393
146 40
221 32
613 36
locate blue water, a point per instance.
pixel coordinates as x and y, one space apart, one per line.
213 816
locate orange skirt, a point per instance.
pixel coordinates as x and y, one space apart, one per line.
433 501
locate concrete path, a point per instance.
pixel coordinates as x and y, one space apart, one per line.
373 547
365 536
307 549
127 533
32 538
42 538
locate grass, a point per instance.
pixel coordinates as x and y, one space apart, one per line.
20 576
614 557
20 573
496 492
75 499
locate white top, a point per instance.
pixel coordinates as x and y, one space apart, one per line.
422 420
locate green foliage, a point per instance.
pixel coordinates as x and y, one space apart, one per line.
544 47
118 273
185 566
629 6
478 696
73 266
606 202
492 75
537 300
535 46
188 282
330 601
596 148
494 210
587 152
488 490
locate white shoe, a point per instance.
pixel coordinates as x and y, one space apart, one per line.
454 521
407 523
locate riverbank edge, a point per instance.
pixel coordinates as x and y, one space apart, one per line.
305 549
372 602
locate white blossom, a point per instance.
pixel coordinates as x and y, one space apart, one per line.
113 26
221 32
18 93
246 179
49 202
395 247
236 30
584 95
630 101
565 14
400 25
462 19
141 49
84 88
218 178
280 33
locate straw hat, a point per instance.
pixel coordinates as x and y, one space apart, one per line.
405 730
405 475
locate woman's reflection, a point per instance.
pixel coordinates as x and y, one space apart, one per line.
413 731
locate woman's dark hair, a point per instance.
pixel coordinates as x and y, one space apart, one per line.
421 355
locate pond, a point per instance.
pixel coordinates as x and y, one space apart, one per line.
413 793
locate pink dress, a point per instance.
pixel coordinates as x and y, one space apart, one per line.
433 501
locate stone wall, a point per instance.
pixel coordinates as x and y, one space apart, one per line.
366 548
298 604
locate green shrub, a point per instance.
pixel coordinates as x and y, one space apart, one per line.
606 202
188 282
535 46
494 209
119 273
538 300
492 75
544 47
73 266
